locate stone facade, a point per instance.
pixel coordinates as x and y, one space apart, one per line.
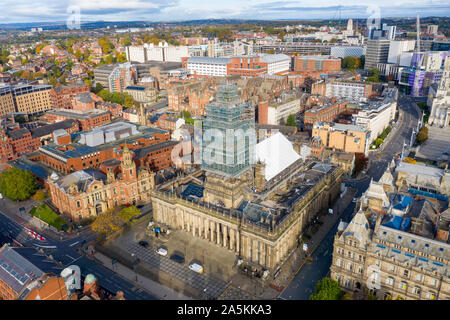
265 245
387 268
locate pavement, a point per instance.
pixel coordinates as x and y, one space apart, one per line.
162 292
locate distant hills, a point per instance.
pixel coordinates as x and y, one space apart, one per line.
60 25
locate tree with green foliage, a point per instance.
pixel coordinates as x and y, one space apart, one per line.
291 121
327 289
362 61
121 57
20 118
98 88
422 136
109 59
17 184
374 75
350 63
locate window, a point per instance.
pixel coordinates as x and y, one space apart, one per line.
347 283
390 281
433 282
78 204
404 285
377 263
419 277
349 266
339 262
360 270
392 268
430 295
406 273
417 290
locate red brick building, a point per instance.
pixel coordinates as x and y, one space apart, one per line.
88 193
246 66
77 156
61 97
328 112
324 64
87 120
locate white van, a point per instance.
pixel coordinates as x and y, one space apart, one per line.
196 267
161 251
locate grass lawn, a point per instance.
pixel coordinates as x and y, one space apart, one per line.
46 214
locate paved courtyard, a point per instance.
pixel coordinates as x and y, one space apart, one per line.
437 143
218 262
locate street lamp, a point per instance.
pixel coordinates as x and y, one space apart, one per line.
206 295
134 265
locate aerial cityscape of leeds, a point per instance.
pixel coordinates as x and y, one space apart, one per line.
234 154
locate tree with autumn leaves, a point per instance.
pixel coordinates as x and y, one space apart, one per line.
113 220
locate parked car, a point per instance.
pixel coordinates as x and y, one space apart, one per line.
196 267
177 258
143 244
161 251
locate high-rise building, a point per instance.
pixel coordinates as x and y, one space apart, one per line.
211 46
350 25
162 52
225 117
432 29
377 52
116 77
31 99
397 47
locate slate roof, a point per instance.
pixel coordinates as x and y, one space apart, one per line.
48 129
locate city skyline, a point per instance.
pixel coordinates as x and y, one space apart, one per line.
25 11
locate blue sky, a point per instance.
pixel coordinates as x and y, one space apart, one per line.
175 10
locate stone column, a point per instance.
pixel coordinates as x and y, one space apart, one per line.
262 255
218 233
182 219
225 240
237 241
188 220
193 221
269 258
206 225
232 239
211 224
255 249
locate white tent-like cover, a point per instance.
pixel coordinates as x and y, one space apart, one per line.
277 153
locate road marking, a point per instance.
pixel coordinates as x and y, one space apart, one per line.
73 244
48 247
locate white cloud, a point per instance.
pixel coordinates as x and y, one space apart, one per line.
159 10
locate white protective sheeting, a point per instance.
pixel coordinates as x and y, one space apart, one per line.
277 153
